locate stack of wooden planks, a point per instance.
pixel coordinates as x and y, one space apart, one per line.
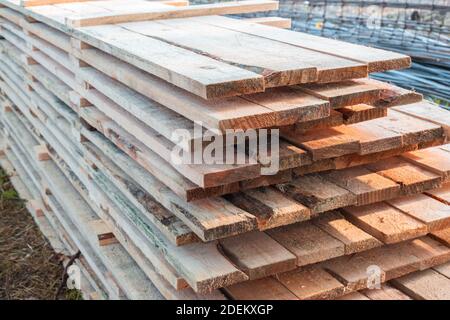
91 93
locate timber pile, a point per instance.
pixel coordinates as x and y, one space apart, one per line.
91 92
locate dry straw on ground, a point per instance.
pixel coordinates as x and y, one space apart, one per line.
29 268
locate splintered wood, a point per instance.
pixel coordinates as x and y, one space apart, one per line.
351 182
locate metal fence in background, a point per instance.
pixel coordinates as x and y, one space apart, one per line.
419 28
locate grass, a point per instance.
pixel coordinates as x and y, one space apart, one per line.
73 295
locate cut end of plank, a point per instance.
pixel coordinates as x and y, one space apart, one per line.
392 64
277 22
104 234
42 153
233 88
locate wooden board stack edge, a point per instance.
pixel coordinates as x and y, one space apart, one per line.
299 212
327 290
417 229
93 283
430 284
226 188
265 73
362 191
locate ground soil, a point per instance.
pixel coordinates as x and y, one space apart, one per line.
29 268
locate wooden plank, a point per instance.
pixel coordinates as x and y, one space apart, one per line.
10 15
441 194
372 139
66 189
51 83
120 6
161 119
258 255
413 179
152 162
31 3
287 156
329 67
201 209
394 260
277 22
353 160
433 159
442 236
215 275
270 207
361 112
129 240
308 243
231 113
311 283
344 93
265 181
18 42
443 269
385 222
289 106
354 239
427 111
433 255
237 7
87 209
196 73
104 234
262 289
254 53
323 143
41 152
414 130
36 208
125 217
424 285
138 106
368 187
385 292
352 270
435 214
377 60
203 174
353 296
318 194
292 102
45 32
392 131
169 225
391 95
176 3
333 120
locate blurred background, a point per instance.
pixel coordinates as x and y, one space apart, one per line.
419 28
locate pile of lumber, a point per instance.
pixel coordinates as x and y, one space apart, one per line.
91 93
